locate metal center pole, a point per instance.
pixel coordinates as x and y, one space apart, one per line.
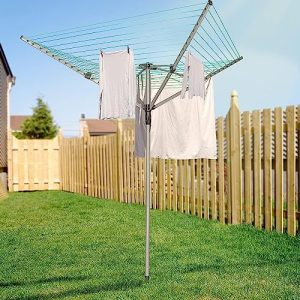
148 169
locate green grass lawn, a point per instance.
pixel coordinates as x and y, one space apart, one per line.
57 245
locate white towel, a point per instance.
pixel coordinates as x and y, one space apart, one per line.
117 85
193 77
181 128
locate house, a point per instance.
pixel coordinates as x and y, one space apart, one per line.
95 127
16 122
7 80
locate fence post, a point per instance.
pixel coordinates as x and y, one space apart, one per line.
234 160
291 169
85 141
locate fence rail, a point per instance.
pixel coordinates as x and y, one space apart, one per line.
254 180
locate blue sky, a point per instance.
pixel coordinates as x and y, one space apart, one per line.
265 31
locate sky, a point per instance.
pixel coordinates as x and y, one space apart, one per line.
266 33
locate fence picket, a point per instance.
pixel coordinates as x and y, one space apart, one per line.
155 183
193 196
279 169
180 185
161 184
257 169
186 187
175 191
247 168
169 193
213 189
199 188
267 122
221 181
206 189
291 170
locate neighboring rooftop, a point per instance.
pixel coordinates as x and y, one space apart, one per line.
100 127
17 121
5 62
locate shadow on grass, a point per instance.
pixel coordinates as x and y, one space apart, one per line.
217 267
115 286
41 281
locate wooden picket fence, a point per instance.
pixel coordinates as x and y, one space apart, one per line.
254 180
89 166
33 164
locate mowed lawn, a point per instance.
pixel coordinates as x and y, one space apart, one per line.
57 245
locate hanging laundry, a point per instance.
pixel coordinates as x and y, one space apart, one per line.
193 77
117 85
181 129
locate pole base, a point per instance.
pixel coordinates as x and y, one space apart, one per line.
147 278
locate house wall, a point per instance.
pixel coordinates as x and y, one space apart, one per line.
3 117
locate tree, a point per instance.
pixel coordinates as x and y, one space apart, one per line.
40 125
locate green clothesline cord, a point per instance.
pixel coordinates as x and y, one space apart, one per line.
102 24
156 37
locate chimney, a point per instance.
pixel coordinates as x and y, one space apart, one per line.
82 116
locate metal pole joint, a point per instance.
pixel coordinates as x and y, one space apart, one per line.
172 69
147 109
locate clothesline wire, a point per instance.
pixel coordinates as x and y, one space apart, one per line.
164 43
118 19
151 42
219 37
94 44
196 41
200 54
164 51
135 55
102 43
151 36
122 26
223 33
118 41
179 68
96 50
237 52
209 46
213 42
151 52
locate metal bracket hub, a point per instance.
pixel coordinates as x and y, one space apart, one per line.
172 69
147 109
